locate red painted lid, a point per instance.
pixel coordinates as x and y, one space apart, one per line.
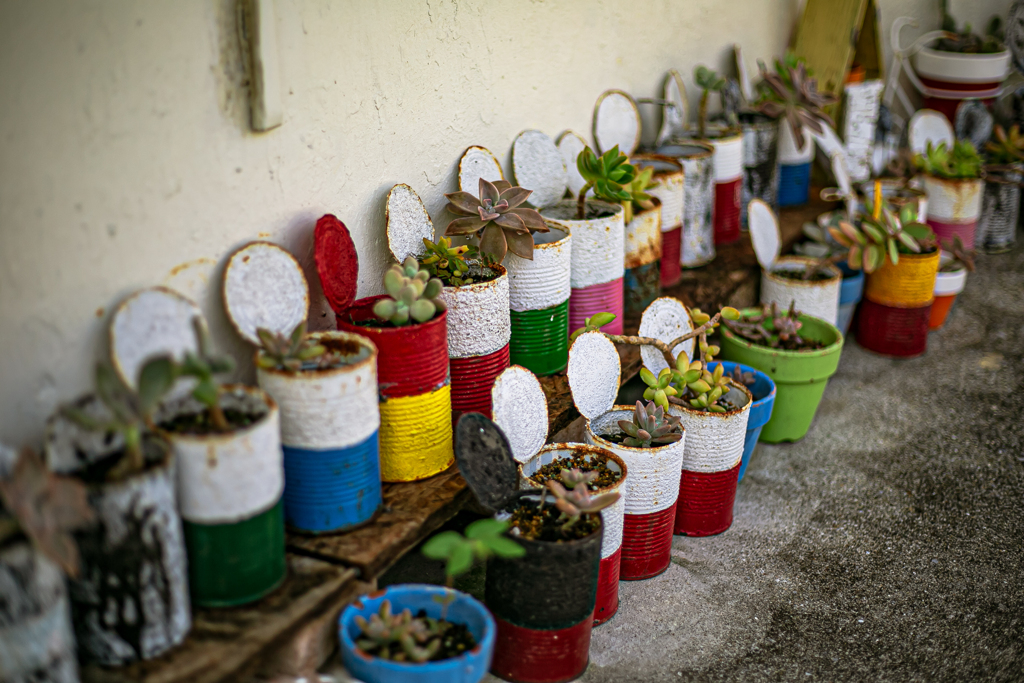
336 262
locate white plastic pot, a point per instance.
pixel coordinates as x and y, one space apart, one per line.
789 153
949 284
817 298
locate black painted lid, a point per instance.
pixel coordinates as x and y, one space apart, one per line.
485 460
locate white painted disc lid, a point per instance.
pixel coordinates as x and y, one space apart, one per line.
746 87
408 223
616 122
665 319
928 125
477 163
264 286
675 118
764 233
594 371
148 323
570 144
520 409
538 166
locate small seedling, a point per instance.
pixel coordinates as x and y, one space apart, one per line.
203 365
399 637
291 352
609 175
747 379
650 426
497 217
1005 148
962 256
785 326
412 295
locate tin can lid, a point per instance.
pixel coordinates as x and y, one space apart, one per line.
616 122
485 461
570 144
764 233
675 116
594 372
665 319
264 286
337 263
408 223
928 125
476 163
520 409
538 166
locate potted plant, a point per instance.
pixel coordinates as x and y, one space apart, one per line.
419 632
135 551
798 352
38 513
791 93
541 635
520 411
669 189
762 388
415 437
821 247
697 239
1000 206
727 160
950 281
952 180
962 65
598 234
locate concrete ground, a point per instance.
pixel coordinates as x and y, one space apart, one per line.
887 545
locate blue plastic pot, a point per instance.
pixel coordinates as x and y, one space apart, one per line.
794 184
850 292
760 411
468 668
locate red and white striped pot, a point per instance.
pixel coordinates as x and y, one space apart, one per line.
728 160
611 517
479 330
954 206
953 76
598 257
947 286
711 465
670 191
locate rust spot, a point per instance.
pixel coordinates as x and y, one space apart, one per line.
245 259
646 253
211 456
100 311
363 655
376 594
263 235
187 264
358 604
346 347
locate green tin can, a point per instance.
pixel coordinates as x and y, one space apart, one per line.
540 339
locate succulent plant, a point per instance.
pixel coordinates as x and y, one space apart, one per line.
962 256
399 637
573 499
130 413
203 365
747 379
1005 148
290 352
650 426
708 81
447 263
659 387
638 196
871 241
412 295
966 41
785 326
592 324
609 175
792 92
503 225
695 384
44 507
960 161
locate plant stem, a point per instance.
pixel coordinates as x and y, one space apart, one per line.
581 202
133 450
220 422
627 211
666 349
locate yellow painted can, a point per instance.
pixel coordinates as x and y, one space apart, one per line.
908 284
416 435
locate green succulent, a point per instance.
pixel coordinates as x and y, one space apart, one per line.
609 175
968 42
708 81
592 324
1005 148
203 365
289 352
650 426
960 161
412 295
871 241
447 263
769 327
638 196
659 387
400 637
484 538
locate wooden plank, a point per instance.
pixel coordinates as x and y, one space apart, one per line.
229 644
826 38
412 511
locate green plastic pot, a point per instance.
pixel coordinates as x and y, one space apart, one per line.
800 376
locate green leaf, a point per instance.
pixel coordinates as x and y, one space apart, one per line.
486 528
730 313
460 560
108 386
599 320
155 379
648 377
505 547
441 546
206 392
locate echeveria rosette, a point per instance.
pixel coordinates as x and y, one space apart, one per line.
650 427
792 93
496 214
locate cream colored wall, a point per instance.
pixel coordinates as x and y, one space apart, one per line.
125 158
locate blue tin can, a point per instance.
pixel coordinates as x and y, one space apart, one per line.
763 390
794 184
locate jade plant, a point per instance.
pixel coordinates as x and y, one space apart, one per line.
1005 147
129 413
497 217
963 258
291 352
768 326
412 295
708 81
872 240
449 263
966 41
610 176
203 365
651 426
45 508
573 499
792 93
953 163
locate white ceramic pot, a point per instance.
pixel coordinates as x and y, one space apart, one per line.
818 298
949 284
952 68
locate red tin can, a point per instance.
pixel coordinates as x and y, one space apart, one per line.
646 544
727 211
529 655
895 332
705 502
671 249
608 588
602 298
472 380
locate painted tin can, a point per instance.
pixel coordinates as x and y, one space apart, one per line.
539 301
850 291
952 77
36 640
469 667
544 636
641 282
908 284
893 332
711 465
794 167
760 161
229 493
651 492
697 241
598 258
415 437
728 160
819 298
472 379
612 518
670 190
329 424
763 391
954 207
1000 210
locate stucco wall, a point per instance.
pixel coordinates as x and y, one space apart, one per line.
126 160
